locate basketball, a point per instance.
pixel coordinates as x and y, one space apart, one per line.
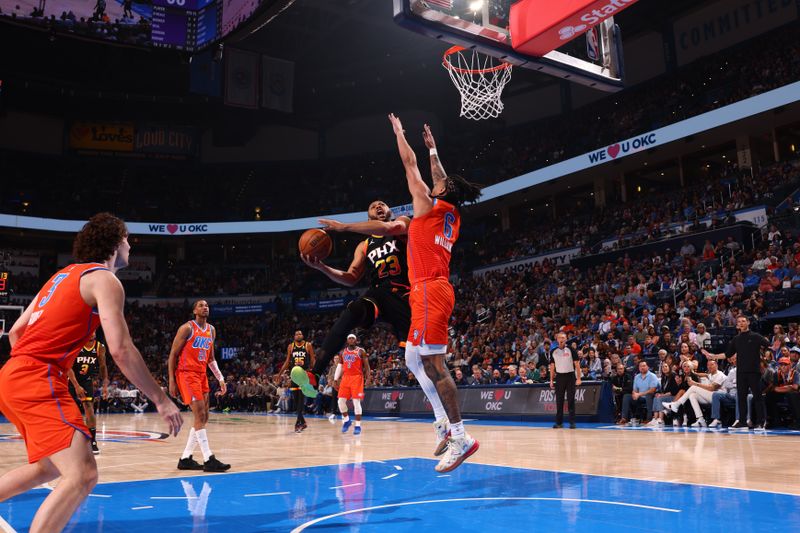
315 243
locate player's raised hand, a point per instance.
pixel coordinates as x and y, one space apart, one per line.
331 225
397 126
171 415
427 136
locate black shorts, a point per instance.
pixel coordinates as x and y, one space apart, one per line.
393 307
87 384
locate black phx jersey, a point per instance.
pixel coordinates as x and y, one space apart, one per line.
87 367
300 355
387 260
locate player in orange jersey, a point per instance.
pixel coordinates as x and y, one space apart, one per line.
192 352
431 235
44 343
353 371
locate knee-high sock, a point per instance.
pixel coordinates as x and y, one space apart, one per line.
414 363
190 444
202 439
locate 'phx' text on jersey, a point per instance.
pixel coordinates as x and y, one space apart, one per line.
300 355
87 364
387 261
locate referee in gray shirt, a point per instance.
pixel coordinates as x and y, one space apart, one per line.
566 368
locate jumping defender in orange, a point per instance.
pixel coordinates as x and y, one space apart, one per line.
44 343
192 351
431 235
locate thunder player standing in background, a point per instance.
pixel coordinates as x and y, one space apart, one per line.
45 340
90 363
353 371
192 351
431 235
300 354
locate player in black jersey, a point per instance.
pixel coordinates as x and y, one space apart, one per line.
300 354
382 259
90 363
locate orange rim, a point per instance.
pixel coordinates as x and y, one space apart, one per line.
454 50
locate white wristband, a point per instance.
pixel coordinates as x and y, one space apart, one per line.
215 370
433 152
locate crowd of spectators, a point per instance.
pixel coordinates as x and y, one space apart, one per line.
351 183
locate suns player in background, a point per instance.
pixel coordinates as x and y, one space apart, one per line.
353 372
300 354
192 352
90 363
45 340
431 235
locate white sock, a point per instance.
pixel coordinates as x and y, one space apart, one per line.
358 423
202 439
457 430
345 418
191 443
414 363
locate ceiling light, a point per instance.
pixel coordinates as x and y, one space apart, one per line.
476 5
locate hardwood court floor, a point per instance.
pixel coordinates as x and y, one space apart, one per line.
132 449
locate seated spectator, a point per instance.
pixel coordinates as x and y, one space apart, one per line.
699 392
459 378
725 396
787 383
668 389
513 377
621 385
645 385
477 376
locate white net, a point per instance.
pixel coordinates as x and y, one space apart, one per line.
480 79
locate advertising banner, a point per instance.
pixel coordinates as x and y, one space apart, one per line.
166 139
103 136
514 400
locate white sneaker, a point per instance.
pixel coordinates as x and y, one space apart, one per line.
442 429
458 450
715 423
633 423
762 428
653 423
701 423
675 423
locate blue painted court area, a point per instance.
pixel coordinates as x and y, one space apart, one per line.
408 495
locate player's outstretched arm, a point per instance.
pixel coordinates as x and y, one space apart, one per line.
103 289
420 192
369 227
437 169
348 277
172 362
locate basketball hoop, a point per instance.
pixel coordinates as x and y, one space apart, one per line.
480 79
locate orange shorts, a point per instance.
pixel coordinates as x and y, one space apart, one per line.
352 388
34 396
193 386
432 303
